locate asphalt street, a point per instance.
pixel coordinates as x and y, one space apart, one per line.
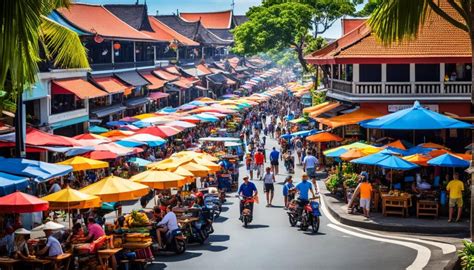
270 243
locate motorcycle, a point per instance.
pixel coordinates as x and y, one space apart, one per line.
212 201
246 216
196 226
307 214
175 242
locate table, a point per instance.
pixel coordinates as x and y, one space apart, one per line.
7 263
427 208
136 245
104 256
42 263
396 205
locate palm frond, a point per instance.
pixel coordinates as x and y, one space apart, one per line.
63 45
396 20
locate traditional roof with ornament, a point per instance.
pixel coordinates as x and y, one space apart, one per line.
163 32
210 20
438 41
96 19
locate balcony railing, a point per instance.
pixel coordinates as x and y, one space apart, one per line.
447 89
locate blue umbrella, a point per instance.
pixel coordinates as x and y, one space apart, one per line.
396 163
414 118
371 159
141 124
38 170
206 117
448 160
97 129
139 161
393 151
337 153
116 123
418 150
197 103
168 110
10 183
130 144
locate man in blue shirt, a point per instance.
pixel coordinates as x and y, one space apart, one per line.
247 189
303 188
274 157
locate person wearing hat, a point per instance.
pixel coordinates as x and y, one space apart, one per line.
53 247
21 246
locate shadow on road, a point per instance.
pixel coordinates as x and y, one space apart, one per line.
220 219
219 238
209 247
176 258
157 265
225 209
228 203
314 234
257 226
277 206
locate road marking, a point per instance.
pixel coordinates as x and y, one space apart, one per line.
445 248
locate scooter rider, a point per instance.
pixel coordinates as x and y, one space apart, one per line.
303 188
167 225
247 189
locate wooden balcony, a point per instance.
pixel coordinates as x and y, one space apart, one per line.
358 91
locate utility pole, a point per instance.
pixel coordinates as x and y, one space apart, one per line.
232 5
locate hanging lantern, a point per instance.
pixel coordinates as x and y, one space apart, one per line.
117 46
98 39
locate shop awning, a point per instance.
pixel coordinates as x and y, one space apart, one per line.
315 107
165 75
155 82
198 87
157 95
136 102
132 78
108 110
217 78
324 109
110 84
38 170
182 83
79 87
350 118
171 88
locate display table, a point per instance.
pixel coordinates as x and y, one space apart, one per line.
396 205
8 263
427 208
104 256
136 245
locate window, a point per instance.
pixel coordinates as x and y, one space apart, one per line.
124 53
398 72
427 72
144 51
370 73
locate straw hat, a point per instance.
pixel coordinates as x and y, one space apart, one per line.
50 225
22 231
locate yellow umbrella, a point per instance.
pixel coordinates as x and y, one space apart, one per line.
115 189
69 198
79 163
214 167
209 157
183 172
196 169
169 163
159 179
370 150
195 154
144 116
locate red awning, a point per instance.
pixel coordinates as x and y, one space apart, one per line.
79 87
160 131
111 85
39 138
19 202
156 83
158 95
165 75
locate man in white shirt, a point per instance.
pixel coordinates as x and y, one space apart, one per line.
268 180
167 225
310 163
53 247
54 188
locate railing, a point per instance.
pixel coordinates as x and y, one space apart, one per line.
122 65
402 88
342 86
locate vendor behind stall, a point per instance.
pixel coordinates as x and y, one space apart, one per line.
53 247
21 246
94 230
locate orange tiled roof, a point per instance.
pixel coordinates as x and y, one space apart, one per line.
212 20
173 70
111 85
204 69
349 24
156 83
436 39
79 87
164 32
97 19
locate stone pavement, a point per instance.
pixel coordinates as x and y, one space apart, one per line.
377 221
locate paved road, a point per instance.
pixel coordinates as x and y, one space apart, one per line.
270 243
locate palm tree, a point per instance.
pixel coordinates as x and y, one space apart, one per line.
396 20
27 32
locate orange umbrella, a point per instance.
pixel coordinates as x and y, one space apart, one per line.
353 154
433 145
397 144
418 159
324 137
463 156
438 152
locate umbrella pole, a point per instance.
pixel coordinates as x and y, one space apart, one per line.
414 143
391 179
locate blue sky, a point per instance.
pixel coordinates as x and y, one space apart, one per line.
170 6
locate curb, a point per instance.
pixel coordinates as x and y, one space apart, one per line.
388 227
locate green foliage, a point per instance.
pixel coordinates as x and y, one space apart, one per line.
350 180
368 8
333 182
283 58
313 44
318 97
467 255
272 28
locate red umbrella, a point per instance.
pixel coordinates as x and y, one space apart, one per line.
101 155
160 131
19 202
39 138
